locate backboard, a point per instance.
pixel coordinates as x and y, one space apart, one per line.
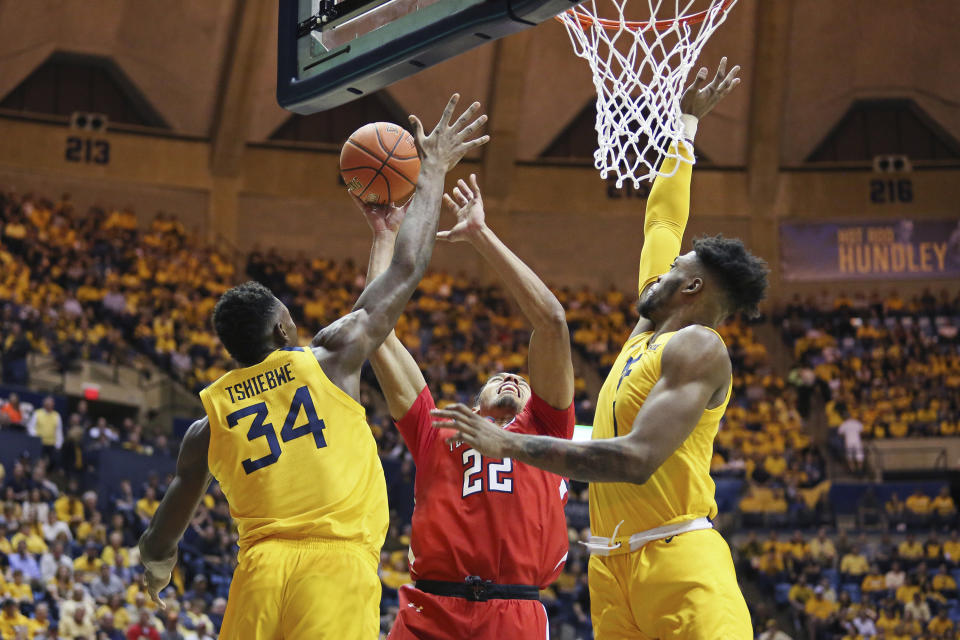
333 51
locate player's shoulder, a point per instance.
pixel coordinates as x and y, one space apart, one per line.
696 346
698 339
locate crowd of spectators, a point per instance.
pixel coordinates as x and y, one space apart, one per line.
886 367
860 586
73 441
93 286
69 565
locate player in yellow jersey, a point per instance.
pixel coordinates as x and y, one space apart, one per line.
288 441
658 569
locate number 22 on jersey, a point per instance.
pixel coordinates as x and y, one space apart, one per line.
259 428
474 476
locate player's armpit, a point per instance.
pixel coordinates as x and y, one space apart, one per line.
695 367
665 220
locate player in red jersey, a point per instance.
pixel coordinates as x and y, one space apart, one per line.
487 534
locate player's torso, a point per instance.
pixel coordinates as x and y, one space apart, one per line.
294 455
681 489
501 520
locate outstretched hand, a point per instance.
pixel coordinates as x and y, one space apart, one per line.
699 98
474 430
382 218
154 585
446 145
467 203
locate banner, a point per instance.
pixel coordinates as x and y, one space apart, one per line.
888 250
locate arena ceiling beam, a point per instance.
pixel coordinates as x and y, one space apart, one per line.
231 122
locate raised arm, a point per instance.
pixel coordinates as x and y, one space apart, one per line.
551 367
344 345
668 206
695 376
158 545
396 370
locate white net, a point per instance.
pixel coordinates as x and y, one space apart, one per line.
639 70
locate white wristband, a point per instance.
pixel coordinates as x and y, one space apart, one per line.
688 124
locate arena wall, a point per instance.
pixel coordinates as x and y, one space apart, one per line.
571 225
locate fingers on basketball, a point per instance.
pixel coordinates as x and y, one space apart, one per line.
380 164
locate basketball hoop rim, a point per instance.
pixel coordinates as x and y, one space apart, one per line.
586 20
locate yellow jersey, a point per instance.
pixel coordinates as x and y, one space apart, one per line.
681 488
294 455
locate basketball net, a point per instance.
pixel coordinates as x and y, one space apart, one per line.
640 70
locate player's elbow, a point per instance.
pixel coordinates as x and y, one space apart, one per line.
640 475
641 465
553 319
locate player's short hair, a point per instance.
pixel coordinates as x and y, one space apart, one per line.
742 275
241 317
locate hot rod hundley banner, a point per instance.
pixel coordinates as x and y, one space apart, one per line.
899 249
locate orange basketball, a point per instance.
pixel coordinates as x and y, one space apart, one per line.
379 163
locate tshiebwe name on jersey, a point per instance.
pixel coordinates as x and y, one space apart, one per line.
259 383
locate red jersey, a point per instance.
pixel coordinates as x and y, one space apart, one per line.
501 520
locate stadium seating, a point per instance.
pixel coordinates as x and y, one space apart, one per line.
93 286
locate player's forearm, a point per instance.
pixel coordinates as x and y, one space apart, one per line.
537 303
158 546
609 460
417 234
665 220
380 253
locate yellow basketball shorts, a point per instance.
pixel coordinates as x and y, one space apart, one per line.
679 587
303 589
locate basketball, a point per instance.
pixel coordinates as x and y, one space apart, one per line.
379 163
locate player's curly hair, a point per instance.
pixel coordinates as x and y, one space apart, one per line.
742 275
242 316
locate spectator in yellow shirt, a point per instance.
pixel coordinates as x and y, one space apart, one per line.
76 625
918 504
147 505
40 622
18 589
905 592
932 549
895 508
799 594
775 465
770 566
943 505
910 549
940 625
68 506
854 565
951 548
820 612
821 548
943 583
87 565
35 542
873 584
115 549
797 548
10 619
115 608
888 621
